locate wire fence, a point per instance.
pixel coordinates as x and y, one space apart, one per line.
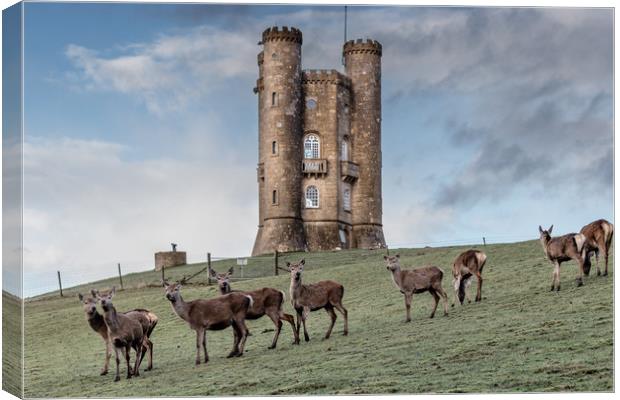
138 274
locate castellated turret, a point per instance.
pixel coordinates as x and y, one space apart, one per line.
319 169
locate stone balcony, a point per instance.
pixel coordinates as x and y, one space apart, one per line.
315 166
349 171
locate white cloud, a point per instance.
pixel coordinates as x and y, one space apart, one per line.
171 71
87 208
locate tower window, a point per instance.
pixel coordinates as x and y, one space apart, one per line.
312 197
274 99
344 150
311 147
274 147
311 104
274 197
346 198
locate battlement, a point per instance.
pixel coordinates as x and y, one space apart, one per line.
324 76
361 46
285 34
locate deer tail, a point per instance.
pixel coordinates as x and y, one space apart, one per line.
580 240
608 230
251 300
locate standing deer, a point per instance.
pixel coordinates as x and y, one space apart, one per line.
312 297
124 333
417 280
213 315
267 301
598 238
96 322
466 265
563 248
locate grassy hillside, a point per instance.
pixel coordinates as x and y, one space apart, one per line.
521 337
11 344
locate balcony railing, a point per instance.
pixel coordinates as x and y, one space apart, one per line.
314 166
349 171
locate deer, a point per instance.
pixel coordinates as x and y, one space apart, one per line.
124 333
465 266
598 238
313 297
418 280
563 248
147 319
267 301
213 314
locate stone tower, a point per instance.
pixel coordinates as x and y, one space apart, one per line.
319 169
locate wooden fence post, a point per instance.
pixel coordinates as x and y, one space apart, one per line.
120 276
484 241
163 277
275 261
209 269
59 283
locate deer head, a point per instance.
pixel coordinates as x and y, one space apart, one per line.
172 290
105 298
296 269
223 280
392 263
89 304
545 235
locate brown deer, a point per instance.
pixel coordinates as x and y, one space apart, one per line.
465 266
267 301
563 248
312 297
147 319
124 333
213 315
96 322
417 280
598 238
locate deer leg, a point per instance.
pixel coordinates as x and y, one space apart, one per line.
466 288
345 315
479 292
108 355
275 318
150 366
554 276
204 345
606 255
136 367
199 335
443 294
304 315
291 320
237 338
408 297
579 279
298 326
455 284
244 336
332 316
436 297
557 275
127 357
117 377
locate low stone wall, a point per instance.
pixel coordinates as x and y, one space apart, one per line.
169 259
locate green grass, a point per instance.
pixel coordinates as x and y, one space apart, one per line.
520 338
11 344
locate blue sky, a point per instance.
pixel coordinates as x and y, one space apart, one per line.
141 125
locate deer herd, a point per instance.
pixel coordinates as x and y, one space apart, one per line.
124 331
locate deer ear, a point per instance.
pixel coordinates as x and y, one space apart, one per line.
212 273
302 262
113 291
540 229
164 283
398 256
231 270
80 296
94 292
385 257
550 229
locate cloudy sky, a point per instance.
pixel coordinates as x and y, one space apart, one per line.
141 126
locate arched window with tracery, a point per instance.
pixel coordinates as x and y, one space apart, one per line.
312 197
312 148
